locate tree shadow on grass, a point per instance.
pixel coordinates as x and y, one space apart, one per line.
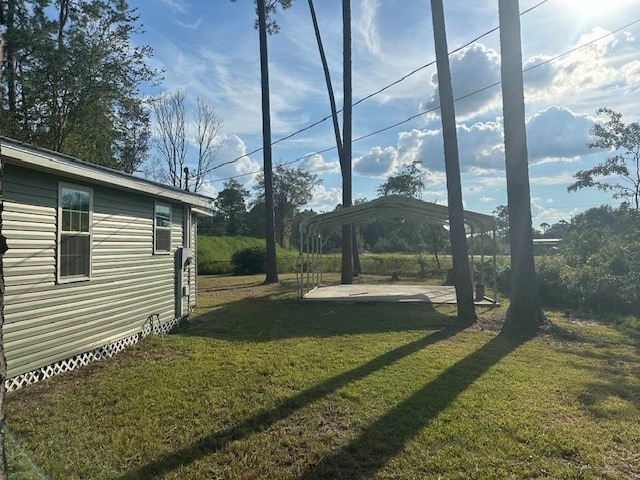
262 319
616 387
386 437
218 440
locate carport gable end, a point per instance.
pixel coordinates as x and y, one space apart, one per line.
310 268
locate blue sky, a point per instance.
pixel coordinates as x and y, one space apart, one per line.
209 48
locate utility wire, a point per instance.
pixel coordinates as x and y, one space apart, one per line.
417 115
377 92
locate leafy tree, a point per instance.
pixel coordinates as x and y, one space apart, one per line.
545 227
525 313
461 272
619 173
292 189
408 182
501 215
231 203
256 217
407 235
602 253
435 239
558 230
72 79
171 143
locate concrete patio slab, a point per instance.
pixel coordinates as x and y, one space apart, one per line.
387 293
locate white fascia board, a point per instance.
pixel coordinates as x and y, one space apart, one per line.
39 159
203 212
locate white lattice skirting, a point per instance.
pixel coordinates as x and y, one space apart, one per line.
152 325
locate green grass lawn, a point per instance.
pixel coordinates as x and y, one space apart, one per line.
260 386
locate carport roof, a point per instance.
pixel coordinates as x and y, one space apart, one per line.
395 206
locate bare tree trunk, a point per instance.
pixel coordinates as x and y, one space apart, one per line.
327 78
461 273
272 265
336 125
3 248
345 163
357 266
524 314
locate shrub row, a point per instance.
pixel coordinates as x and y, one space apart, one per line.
594 287
243 255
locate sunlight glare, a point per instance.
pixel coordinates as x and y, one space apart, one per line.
593 8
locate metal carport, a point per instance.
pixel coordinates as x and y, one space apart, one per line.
478 225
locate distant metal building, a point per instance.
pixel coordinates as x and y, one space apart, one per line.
97 259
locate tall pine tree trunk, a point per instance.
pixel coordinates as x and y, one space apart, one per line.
336 124
345 162
524 314
3 248
357 266
461 272
272 266
327 78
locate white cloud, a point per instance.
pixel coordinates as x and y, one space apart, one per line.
325 200
208 189
366 27
179 6
605 65
190 26
554 135
318 165
479 144
541 213
563 178
557 133
472 68
378 163
231 148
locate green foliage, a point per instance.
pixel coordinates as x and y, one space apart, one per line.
407 182
55 97
271 8
231 205
292 189
619 173
501 214
598 268
215 253
249 261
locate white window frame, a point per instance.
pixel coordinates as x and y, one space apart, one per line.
155 228
59 233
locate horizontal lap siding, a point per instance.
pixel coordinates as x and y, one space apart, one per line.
46 322
193 291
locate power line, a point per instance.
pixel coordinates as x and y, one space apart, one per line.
417 115
377 92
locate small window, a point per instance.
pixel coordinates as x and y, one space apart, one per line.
74 233
162 227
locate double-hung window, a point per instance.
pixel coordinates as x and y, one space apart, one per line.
75 206
162 228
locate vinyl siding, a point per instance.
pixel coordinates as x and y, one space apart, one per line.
193 289
45 321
